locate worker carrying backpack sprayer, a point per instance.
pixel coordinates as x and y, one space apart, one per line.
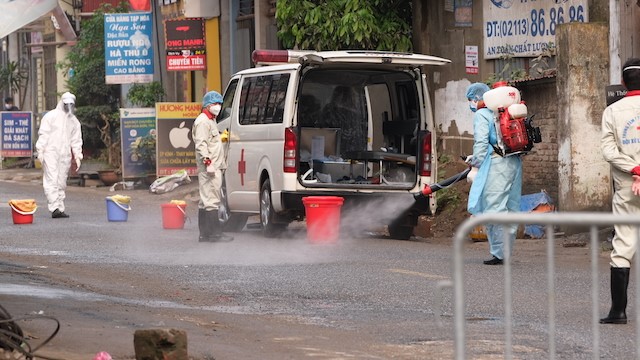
515 132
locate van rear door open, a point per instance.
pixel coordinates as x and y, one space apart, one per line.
354 124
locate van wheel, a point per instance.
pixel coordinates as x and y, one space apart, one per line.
400 229
400 232
230 222
268 217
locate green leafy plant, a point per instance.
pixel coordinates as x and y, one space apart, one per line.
12 78
448 198
508 71
540 65
146 95
345 24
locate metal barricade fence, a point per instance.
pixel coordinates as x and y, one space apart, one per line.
584 219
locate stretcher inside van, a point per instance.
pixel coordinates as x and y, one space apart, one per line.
354 124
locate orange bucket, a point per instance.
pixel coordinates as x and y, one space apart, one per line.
323 218
22 211
173 215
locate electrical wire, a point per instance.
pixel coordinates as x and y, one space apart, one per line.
12 337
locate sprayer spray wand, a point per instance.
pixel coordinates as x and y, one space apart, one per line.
430 189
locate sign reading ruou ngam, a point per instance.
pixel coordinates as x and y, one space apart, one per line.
525 28
127 48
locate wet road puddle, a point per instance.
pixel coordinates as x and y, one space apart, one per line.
46 292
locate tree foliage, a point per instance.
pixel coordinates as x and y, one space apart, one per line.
13 78
97 102
146 95
345 24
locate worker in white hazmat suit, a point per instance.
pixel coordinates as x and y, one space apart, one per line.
621 149
59 136
497 187
211 162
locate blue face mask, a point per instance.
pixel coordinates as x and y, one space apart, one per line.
473 105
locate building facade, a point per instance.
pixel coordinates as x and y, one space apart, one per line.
473 34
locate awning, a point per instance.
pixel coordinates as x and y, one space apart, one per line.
16 14
63 25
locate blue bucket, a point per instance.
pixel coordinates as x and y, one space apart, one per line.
117 211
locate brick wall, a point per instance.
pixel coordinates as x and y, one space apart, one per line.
540 167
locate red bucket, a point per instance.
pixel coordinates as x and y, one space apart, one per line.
173 216
21 217
323 218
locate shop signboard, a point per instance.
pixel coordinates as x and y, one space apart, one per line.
527 28
176 150
615 92
17 133
138 133
128 49
185 44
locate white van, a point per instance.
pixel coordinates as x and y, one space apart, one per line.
353 124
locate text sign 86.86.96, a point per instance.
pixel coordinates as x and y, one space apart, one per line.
523 29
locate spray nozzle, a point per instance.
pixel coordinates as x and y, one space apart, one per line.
429 189
426 191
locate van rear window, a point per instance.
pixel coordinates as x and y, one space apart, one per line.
262 99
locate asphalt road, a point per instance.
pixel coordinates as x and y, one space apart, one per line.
365 297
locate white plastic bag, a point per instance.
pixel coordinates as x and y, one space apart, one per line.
168 183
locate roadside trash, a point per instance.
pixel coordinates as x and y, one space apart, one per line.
168 183
102 355
538 203
122 185
478 233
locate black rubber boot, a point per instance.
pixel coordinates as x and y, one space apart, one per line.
216 230
203 226
57 214
619 284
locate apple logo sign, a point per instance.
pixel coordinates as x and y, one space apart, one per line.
179 137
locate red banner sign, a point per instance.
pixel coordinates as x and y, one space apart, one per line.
185 43
186 60
184 34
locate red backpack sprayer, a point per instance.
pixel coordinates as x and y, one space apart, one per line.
515 131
